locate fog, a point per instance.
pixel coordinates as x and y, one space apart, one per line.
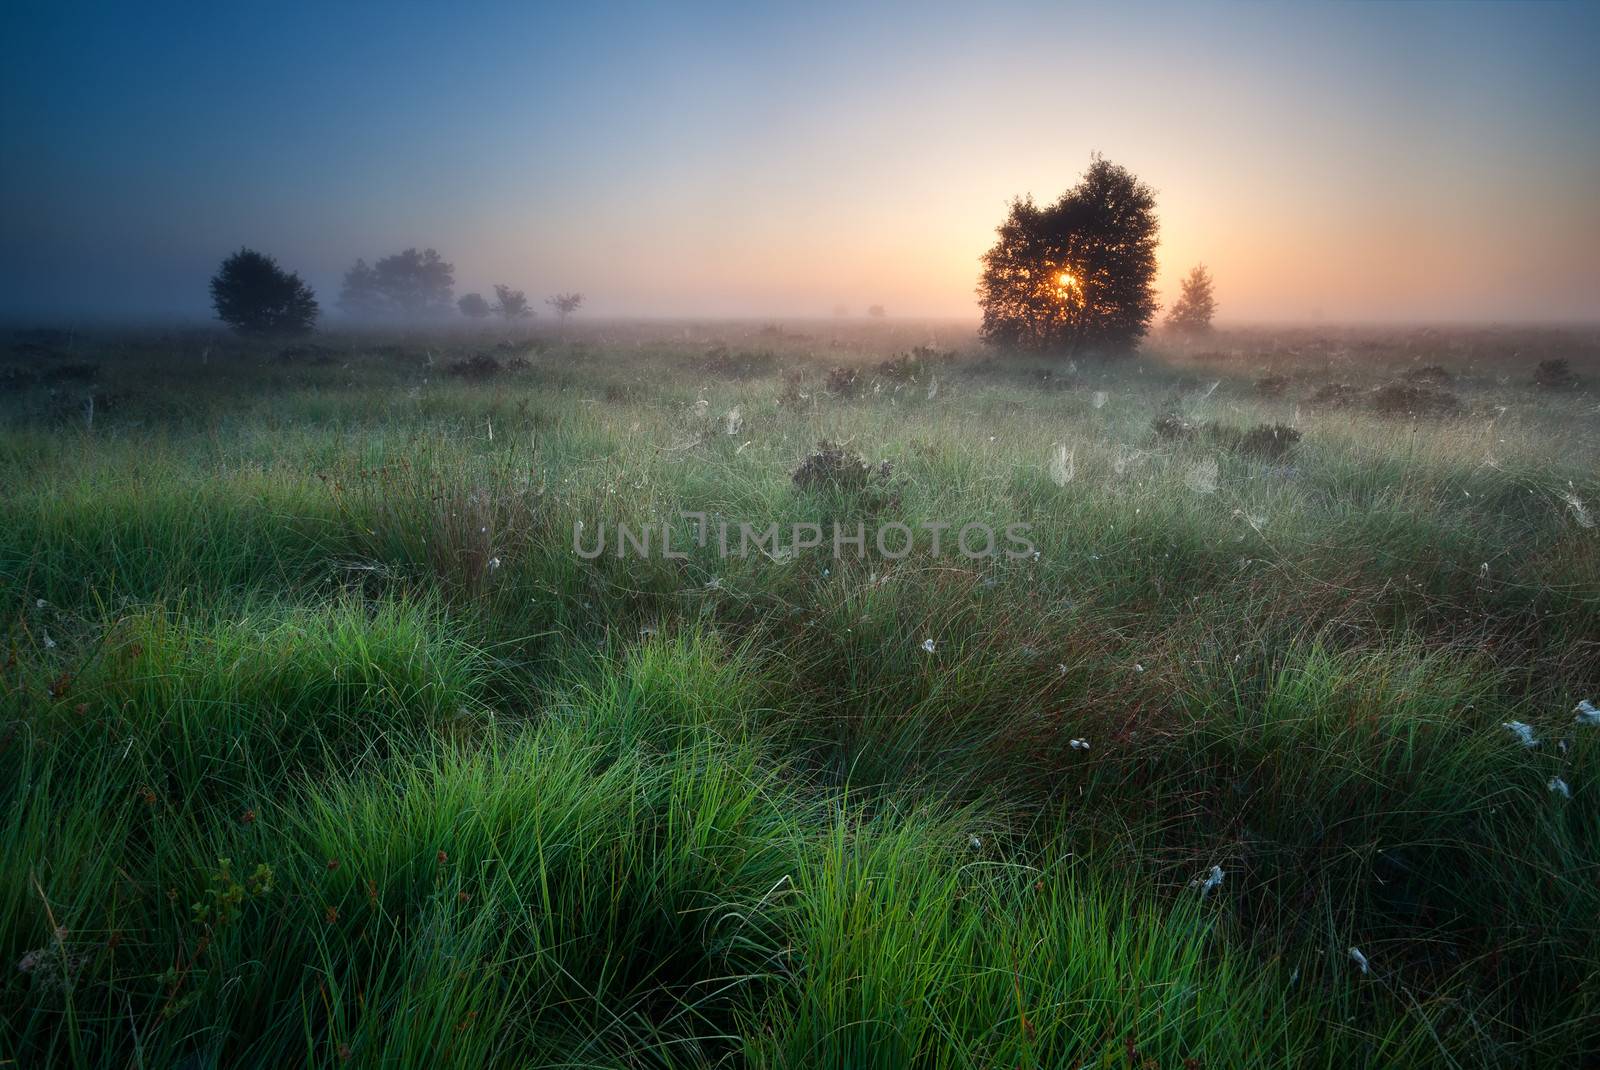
1373 164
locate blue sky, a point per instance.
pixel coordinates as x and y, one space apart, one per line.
1362 162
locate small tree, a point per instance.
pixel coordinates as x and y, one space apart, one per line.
512 304
877 312
473 306
1078 274
1196 305
565 304
253 295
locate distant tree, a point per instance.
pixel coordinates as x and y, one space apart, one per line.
512 304
877 312
1196 305
407 285
1078 275
565 304
473 306
253 295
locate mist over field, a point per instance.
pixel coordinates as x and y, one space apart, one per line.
1049 536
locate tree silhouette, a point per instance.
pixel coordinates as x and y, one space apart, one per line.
565 304
473 306
1196 305
407 285
253 295
1078 275
512 304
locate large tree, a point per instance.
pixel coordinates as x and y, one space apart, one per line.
1078 275
1196 305
253 295
408 285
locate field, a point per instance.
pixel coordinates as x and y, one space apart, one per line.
321 745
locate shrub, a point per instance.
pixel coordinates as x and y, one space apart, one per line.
843 382
1408 399
1555 375
476 368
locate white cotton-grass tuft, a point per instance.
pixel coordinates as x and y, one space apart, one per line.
1586 713
933 387
1559 787
1523 732
1580 512
733 422
1203 477
1209 883
1079 744
1099 399
1062 466
928 646
701 407
1360 960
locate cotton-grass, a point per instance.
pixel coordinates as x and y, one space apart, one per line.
1523 732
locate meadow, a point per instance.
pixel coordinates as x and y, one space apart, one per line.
320 745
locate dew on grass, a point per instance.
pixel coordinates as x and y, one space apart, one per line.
733 422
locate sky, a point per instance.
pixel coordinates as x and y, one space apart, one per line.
1350 163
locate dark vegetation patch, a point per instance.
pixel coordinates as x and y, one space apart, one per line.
76 372
843 382
1430 375
308 353
1272 386
1336 396
834 467
738 364
1409 399
1555 375
1266 441
477 368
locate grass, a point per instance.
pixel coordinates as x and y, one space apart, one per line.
320 745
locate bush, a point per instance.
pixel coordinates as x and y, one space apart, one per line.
476 368
1555 375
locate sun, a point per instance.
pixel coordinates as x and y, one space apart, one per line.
1067 280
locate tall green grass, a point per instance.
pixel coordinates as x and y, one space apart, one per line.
321 746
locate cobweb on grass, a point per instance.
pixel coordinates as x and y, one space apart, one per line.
1062 466
1580 512
1202 478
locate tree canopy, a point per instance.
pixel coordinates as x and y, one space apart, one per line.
1077 275
511 304
253 295
408 285
473 306
565 304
